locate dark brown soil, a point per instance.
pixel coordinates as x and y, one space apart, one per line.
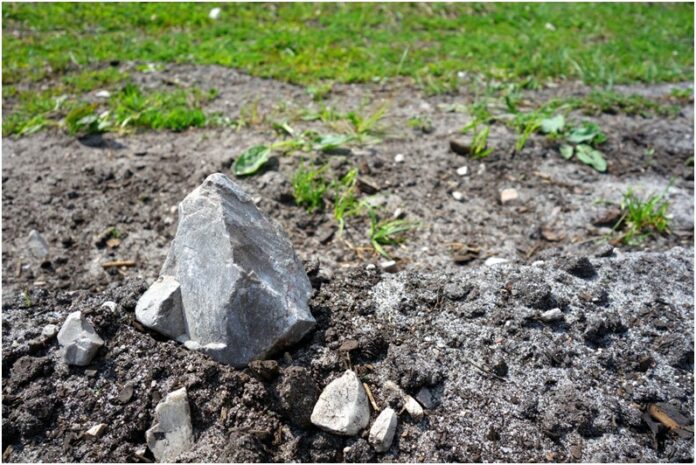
629 343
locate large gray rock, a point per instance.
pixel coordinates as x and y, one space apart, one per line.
172 434
78 340
342 407
243 290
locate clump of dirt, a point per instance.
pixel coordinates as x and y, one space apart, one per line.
505 384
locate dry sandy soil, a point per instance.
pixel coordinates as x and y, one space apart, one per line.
505 385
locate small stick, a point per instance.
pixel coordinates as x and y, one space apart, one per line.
118 263
484 371
18 271
369 396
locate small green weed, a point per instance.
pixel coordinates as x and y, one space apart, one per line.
251 160
422 124
346 199
387 232
581 142
642 218
364 125
479 114
85 120
586 133
320 91
26 299
309 187
479 144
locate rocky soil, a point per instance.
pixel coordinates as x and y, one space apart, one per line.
501 378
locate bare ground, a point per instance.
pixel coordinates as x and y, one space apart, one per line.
570 392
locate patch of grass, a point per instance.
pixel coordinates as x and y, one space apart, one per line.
642 217
89 80
309 187
176 110
387 232
611 102
683 95
308 43
128 108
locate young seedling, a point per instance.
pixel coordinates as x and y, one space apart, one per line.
309 187
421 123
587 136
251 160
365 126
642 218
387 232
346 200
479 115
479 144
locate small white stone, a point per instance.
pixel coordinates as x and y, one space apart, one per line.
388 265
481 169
172 434
103 94
214 13
508 195
97 431
463 170
49 331
413 408
538 263
383 429
370 266
109 305
37 244
492 261
399 158
342 407
552 315
458 196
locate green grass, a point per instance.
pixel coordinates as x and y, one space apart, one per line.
606 101
309 187
387 232
73 49
307 43
642 217
346 198
128 108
